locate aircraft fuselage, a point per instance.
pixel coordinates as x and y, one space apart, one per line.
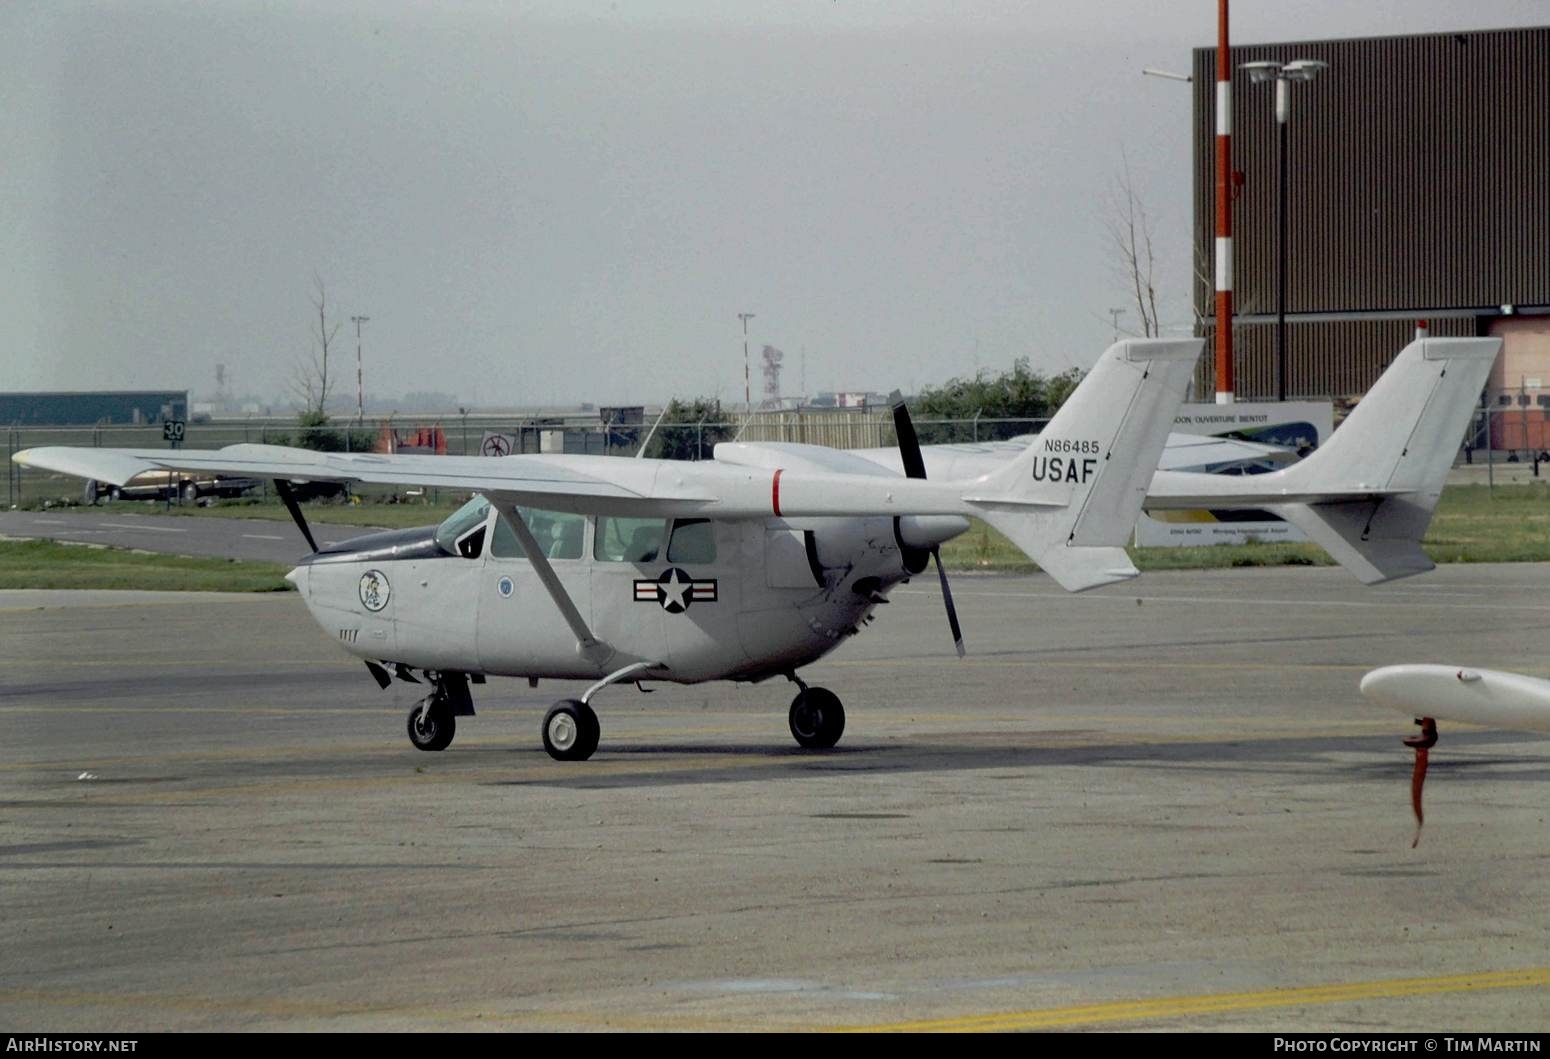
697 599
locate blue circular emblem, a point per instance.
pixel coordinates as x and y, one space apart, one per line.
504 587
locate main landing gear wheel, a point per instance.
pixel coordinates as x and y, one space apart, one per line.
431 724
817 718
571 730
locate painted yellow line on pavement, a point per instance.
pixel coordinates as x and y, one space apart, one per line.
1218 1003
1050 1018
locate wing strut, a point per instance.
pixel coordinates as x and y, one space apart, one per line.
587 645
288 498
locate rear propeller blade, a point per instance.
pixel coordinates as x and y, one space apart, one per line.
915 467
947 598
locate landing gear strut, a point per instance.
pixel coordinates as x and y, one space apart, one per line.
571 729
817 718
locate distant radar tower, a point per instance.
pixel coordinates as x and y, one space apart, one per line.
772 362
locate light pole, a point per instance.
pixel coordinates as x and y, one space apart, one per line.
1283 74
747 392
360 389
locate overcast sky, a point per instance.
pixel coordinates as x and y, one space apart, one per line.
557 202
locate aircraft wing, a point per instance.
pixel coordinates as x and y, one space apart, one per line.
1181 452
1188 490
1175 488
1213 455
1069 501
583 484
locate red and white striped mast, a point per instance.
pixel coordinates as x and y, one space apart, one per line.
1224 379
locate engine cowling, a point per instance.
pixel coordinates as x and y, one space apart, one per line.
868 555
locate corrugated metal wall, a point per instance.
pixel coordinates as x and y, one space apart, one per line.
1419 180
1334 359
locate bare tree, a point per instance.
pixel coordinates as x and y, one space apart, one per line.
310 382
1130 231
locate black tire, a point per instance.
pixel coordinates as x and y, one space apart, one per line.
571 731
115 493
190 491
817 718
431 729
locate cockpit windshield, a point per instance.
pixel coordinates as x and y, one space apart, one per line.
465 518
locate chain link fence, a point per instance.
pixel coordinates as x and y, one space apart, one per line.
1514 440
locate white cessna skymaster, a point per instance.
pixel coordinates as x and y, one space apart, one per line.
763 560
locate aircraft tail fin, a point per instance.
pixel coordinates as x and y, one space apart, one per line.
1401 439
1403 435
1071 500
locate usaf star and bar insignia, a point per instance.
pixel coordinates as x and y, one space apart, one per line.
675 590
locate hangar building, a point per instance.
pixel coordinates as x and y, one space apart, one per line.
92 407
1419 188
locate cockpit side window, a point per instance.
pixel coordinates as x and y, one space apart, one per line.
559 533
463 531
628 540
471 543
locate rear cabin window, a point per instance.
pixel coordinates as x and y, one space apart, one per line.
693 541
628 540
557 532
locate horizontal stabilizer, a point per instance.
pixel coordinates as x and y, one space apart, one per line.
1376 540
1078 569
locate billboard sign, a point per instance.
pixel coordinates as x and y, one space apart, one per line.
1256 438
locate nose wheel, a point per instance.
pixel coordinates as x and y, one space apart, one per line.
817 718
571 730
431 724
